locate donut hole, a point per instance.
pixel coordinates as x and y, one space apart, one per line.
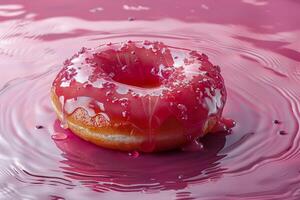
140 67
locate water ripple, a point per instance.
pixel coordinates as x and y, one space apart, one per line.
262 87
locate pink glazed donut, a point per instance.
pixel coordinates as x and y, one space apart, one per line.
144 96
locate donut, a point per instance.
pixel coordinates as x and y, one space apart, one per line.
143 96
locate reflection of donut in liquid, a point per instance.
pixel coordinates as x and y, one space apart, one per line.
101 169
139 96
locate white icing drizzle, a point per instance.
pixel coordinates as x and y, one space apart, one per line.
84 102
213 103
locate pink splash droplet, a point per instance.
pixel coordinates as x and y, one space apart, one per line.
59 136
134 154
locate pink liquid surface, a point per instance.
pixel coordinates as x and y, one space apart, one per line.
256 44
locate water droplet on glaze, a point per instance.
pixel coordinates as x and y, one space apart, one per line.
108 93
124 67
181 107
183 111
63 123
124 102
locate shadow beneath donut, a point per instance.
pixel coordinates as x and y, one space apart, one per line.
104 170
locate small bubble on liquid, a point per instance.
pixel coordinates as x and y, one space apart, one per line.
276 121
144 190
134 154
59 136
39 126
283 132
93 10
131 18
53 197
